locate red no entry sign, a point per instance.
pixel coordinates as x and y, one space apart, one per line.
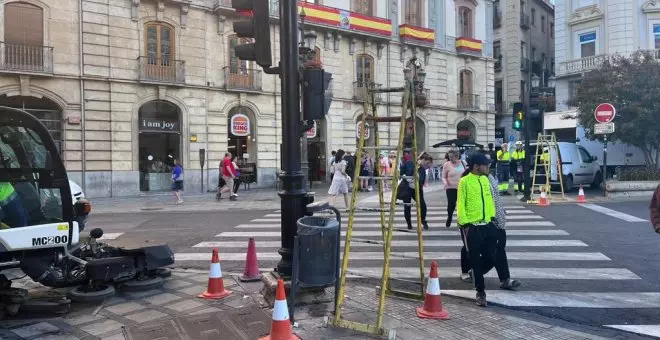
604 113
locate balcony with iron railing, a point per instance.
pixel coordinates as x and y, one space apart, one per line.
524 20
162 70
28 59
525 64
467 101
578 66
242 79
360 91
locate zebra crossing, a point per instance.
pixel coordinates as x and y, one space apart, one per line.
556 270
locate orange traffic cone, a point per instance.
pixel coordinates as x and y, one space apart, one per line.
581 197
543 201
216 287
280 328
251 272
432 308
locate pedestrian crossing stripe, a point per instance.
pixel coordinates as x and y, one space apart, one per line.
649 330
428 219
257 234
517 272
402 243
110 236
434 207
378 256
524 298
428 216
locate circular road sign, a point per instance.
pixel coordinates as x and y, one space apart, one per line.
604 113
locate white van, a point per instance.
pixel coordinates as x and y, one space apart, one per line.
578 165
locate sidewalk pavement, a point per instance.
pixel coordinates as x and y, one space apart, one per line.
167 312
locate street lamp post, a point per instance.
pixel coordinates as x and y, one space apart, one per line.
305 54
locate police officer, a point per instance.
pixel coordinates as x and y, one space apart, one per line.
517 162
503 168
476 213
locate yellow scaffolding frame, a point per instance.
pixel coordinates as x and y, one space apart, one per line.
549 141
387 226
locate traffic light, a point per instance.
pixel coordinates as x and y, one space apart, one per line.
518 116
256 27
315 94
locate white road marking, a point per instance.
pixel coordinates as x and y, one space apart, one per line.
429 215
524 298
378 255
357 233
649 330
441 208
401 243
518 273
110 236
428 219
613 213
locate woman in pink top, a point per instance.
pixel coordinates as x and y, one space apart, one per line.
452 171
384 168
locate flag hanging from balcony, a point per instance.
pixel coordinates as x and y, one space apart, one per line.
423 35
345 19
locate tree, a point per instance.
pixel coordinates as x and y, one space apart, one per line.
632 85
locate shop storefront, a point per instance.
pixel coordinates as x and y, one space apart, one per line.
465 130
242 142
159 144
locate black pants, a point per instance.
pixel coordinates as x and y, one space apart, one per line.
499 259
406 208
520 181
237 184
481 244
452 196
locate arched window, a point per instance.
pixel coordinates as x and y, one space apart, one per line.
24 36
465 130
239 74
466 98
159 46
364 70
465 22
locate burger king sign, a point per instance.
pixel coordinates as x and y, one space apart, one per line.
240 125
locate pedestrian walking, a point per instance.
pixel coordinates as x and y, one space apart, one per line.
332 161
366 170
385 169
655 210
340 179
221 182
237 180
177 181
228 172
452 171
476 213
408 193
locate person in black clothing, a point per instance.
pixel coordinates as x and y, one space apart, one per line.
407 168
350 163
493 156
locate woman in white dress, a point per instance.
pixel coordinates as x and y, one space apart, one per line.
340 179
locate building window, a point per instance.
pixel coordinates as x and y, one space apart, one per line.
583 3
364 70
552 29
240 71
533 16
573 89
466 83
363 7
656 34
523 50
159 44
587 45
543 23
465 22
413 13
24 35
497 50
533 53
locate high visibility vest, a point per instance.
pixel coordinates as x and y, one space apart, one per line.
517 155
545 157
6 192
506 156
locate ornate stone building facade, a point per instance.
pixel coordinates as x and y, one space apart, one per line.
125 86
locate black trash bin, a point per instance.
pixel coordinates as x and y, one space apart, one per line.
318 250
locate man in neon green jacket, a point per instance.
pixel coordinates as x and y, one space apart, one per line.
476 212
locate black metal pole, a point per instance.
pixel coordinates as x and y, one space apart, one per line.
292 192
527 190
605 163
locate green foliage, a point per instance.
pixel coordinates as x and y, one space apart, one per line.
638 174
632 85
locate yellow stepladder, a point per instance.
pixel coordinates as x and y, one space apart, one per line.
387 224
548 162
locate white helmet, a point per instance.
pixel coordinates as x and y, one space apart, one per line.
519 142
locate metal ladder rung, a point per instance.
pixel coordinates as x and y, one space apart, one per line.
386 119
385 178
386 148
